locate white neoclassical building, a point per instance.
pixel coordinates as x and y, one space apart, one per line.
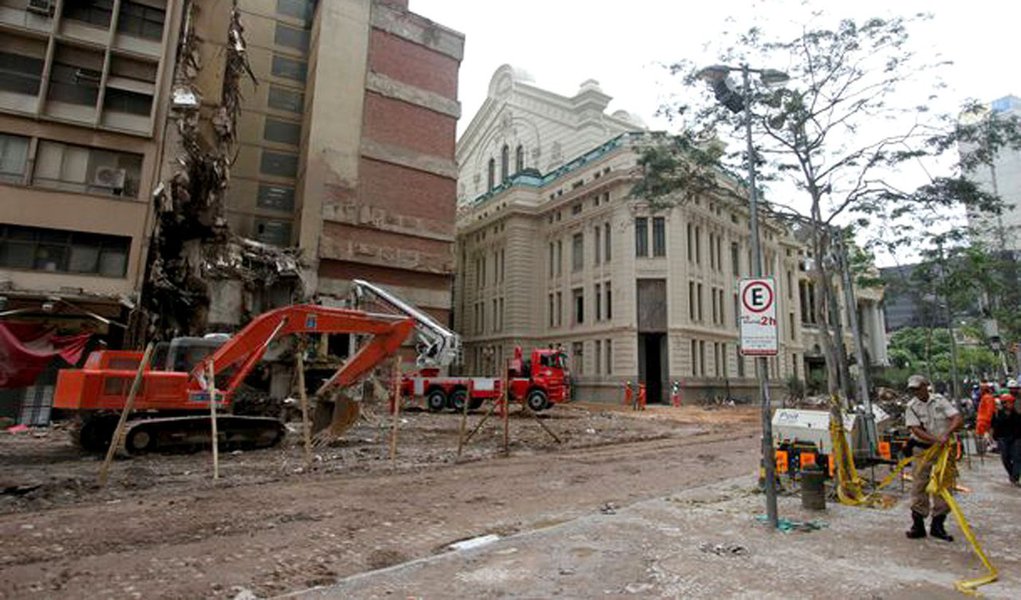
552 249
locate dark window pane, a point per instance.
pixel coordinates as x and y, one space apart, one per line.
641 236
658 236
289 68
273 232
72 84
277 163
291 37
128 102
13 156
63 251
284 132
93 12
299 9
275 197
285 99
141 21
20 74
16 255
113 261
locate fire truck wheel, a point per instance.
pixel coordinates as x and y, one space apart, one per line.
436 400
457 399
537 400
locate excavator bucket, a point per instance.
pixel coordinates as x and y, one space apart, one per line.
333 416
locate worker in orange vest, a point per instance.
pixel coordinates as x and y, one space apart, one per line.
641 396
628 394
984 415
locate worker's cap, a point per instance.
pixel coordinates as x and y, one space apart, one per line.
1012 383
1007 398
917 381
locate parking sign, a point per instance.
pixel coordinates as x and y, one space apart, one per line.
758 317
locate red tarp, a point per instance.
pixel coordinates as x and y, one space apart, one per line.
26 349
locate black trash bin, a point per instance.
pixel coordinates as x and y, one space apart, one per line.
813 488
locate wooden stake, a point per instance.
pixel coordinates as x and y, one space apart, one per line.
129 405
464 419
306 427
535 415
211 383
396 391
485 418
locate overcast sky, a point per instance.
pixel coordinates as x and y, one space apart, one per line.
623 45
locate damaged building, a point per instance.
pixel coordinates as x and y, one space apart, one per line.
173 167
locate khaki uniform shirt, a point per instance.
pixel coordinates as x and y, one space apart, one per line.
933 416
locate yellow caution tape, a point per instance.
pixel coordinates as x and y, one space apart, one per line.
941 482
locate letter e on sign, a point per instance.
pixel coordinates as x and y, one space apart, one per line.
758 317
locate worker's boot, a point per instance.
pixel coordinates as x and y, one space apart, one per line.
917 526
938 531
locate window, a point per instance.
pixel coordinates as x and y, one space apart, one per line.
790 325
735 258
501 313
691 242
127 102
658 236
576 208
61 251
700 315
716 358
790 285
551 256
578 356
599 302
74 84
272 231
701 357
694 358
503 264
275 197
291 37
560 309
560 256
712 254
299 9
13 157
606 243
491 177
504 163
719 253
641 236
284 99
282 132
716 312
598 242
279 164
93 12
691 301
137 19
577 252
496 315
723 356
289 68
20 74
519 159
599 356
698 245
609 357
578 298
552 321
609 301
90 170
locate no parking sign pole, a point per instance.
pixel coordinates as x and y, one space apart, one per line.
759 339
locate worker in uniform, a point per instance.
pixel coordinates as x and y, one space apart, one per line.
629 393
675 393
984 416
1007 433
932 419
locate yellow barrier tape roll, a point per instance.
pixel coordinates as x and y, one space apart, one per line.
941 482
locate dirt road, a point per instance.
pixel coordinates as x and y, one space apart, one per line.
162 529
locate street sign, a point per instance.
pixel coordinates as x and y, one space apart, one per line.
758 317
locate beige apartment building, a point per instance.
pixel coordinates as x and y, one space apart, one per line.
553 250
82 110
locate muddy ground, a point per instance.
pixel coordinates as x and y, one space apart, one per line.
163 529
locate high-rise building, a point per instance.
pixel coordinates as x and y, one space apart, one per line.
83 88
1001 176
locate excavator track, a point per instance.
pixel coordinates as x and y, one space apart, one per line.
170 434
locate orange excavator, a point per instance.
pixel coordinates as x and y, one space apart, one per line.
171 409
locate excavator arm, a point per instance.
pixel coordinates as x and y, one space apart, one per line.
241 353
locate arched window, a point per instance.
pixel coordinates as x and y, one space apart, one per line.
519 159
504 163
491 181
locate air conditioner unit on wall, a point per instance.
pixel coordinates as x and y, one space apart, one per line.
86 76
42 7
110 178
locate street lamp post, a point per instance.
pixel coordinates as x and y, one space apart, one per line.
717 75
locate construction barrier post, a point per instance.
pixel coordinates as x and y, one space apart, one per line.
396 409
212 419
129 405
306 427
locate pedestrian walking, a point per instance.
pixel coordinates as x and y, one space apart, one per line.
1007 433
932 419
984 416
